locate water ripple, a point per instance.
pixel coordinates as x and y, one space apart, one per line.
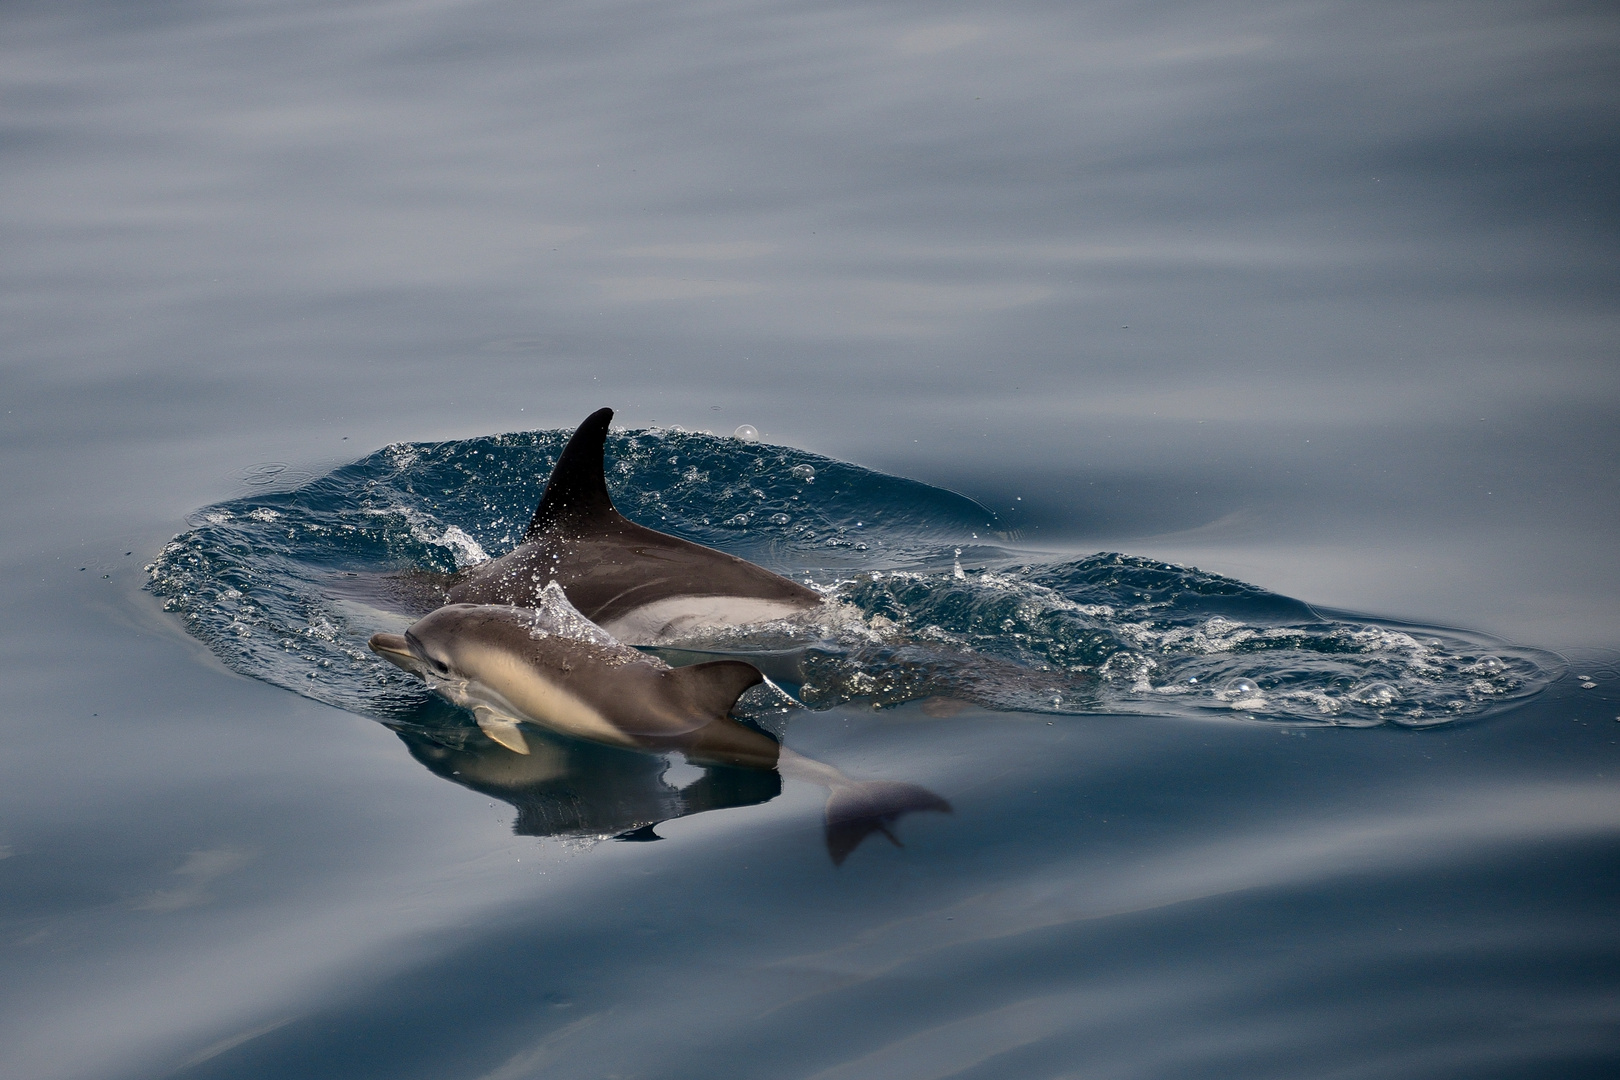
925 598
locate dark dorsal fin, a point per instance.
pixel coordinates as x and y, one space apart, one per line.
577 488
713 688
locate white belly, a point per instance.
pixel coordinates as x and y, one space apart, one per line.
678 617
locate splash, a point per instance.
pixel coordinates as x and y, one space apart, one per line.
924 602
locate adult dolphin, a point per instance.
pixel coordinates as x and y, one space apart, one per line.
644 587
549 665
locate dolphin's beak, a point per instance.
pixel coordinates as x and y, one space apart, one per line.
396 650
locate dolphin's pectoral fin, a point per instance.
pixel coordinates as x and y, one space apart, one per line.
503 729
858 809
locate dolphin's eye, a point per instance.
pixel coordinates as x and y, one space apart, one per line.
442 667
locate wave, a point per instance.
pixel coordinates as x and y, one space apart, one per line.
927 599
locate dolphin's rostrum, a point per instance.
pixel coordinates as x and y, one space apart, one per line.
549 665
642 586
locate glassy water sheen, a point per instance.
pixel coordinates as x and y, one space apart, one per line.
1202 419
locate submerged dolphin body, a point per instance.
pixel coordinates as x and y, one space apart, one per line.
642 586
549 665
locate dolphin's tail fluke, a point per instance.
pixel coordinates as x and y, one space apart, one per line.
858 808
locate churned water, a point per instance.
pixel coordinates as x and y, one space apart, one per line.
922 603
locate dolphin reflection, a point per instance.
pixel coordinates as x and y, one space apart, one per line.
550 667
574 789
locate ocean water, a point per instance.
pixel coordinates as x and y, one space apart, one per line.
1202 420
921 601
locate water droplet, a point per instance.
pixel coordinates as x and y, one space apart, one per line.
1378 694
805 473
746 432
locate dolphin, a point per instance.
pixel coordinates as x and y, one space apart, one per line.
642 586
550 666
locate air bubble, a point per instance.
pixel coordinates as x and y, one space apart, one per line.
1489 665
1243 694
1378 694
746 432
805 473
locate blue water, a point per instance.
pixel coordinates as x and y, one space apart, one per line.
922 602
1126 344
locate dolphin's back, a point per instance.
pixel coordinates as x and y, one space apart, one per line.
640 584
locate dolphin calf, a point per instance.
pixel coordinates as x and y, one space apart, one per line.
548 665
642 586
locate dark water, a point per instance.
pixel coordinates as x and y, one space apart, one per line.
1266 342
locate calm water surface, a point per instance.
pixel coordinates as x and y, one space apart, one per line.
1319 299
